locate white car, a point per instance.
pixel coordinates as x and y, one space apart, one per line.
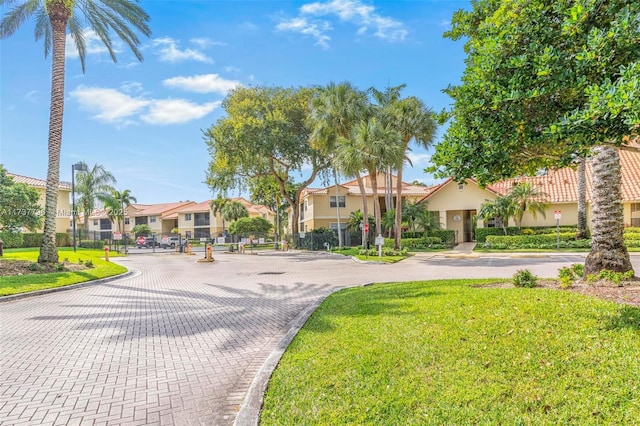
171 242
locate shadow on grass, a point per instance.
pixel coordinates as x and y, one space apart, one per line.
626 317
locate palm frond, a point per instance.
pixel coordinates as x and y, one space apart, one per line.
17 16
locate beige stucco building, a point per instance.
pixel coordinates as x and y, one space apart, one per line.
457 203
63 208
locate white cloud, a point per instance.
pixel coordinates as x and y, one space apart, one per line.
204 42
131 87
115 107
350 11
109 105
167 49
230 68
33 96
93 45
419 159
204 83
174 111
314 29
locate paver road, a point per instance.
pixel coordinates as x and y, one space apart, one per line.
179 342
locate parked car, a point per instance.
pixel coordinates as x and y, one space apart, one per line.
171 242
146 242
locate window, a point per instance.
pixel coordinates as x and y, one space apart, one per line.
187 216
201 219
95 222
126 220
306 205
341 201
152 219
201 233
635 214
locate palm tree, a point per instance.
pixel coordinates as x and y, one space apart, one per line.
607 247
412 211
53 18
500 209
377 147
234 210
582 198
388 220
428 221
116 205
526 198
217 206
335 111
93 185
414 122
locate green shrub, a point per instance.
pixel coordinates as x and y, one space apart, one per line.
538 241
11 239
524 278
482 233
386 251
578 269
610 276
448 237
527 231
88 263
566 277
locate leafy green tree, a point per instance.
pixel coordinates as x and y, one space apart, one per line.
141 229
265 190
53 19
428 221
545 84
234 210
217 205
18 205
265 133
250 226
412 211
415 123
116 205
526 198
336 111
96 184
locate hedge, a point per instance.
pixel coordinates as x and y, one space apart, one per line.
483 233
534 241
27 239
415 243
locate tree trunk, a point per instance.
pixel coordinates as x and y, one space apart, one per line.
335 179
582 199
376 201
607 249
398 223
365 210
58 15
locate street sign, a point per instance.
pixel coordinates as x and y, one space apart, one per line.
379 240
141 240
366 227
117 235
165 239
557 214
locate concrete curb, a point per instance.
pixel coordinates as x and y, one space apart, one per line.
249 414
12 297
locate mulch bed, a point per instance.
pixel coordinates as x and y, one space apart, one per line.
24 267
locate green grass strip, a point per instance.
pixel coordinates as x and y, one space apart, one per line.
447 352
17 284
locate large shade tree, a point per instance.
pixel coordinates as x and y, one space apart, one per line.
545 83
265 133
53 19
18 205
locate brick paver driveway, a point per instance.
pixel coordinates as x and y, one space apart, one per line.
179 342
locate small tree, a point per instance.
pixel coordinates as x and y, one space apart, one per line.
526 198
250 226
18 205
500 209
141 229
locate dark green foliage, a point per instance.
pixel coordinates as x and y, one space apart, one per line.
483 233
315 239
524 278
18 204
250 226
11 239
416 243
20 240
447 236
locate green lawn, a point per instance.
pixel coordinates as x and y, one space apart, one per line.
32 282
353 252
449 353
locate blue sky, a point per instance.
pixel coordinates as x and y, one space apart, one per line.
143 120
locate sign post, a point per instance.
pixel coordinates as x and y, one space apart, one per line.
558 216
379 243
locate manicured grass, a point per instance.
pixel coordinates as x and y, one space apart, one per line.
353 252
33 282
446 352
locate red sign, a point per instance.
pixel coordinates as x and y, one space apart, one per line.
141 240
557 214
366 227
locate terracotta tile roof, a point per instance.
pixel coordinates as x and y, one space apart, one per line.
162 210
561 185
199 207
37 183
354 189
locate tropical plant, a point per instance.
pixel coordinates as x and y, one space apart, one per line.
412 211
500 209
217 205
117 204
248 226
526 198
53 18
234 210
93 185
414 122
141 229
428 221
388 221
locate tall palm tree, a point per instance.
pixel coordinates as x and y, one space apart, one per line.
53 18
414 122
234 210
501 209
334 113
96 184
607 247
377 146
582 198
527 198
116 206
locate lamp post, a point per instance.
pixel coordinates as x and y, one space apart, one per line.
81 167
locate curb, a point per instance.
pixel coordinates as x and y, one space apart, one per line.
13 297
249 413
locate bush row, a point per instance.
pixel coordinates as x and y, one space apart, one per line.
23 240
483 233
